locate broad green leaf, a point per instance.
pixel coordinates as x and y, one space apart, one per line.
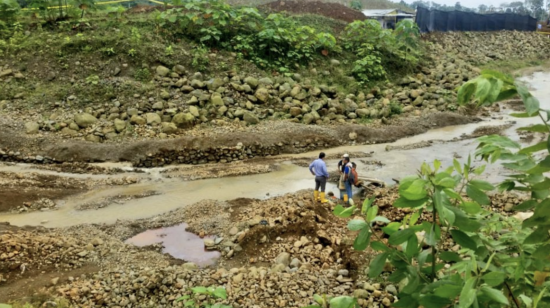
483 88
220 293
471 207
199 290
402 202
542 185
534 148
450 256
401 236
531 104
468 293
463 222
343 302
371 213
415 191
465 92
366 204
457 166
527 300
414 218
522 115
377 265
542 252
495 295
448 291
494 279
538 236
526 205
537 128
357 224
482 185
318 299
378 246
433 301
412 247
343 212
548 143
433 235
463 239
362 240
477 195
437 165
381 219
391 228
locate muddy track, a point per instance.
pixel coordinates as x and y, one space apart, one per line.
280 141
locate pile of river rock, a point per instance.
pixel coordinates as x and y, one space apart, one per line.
183 99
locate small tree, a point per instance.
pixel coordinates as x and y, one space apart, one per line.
501 262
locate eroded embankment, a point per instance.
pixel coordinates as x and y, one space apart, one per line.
268 139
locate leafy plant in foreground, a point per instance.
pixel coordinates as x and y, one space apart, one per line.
334 302
499 263
212 295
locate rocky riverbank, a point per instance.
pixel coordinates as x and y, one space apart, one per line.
275 253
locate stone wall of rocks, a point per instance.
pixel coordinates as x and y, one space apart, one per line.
14 156
223 154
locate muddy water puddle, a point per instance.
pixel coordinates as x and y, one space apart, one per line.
178 243
287 177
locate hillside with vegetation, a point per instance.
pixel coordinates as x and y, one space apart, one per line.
220 92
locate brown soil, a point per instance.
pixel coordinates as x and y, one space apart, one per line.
30 284
13 197
15 190
331 10
273 133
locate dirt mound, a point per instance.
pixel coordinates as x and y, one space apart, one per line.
332 10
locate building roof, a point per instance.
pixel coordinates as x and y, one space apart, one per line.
386 12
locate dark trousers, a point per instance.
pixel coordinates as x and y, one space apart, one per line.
320 181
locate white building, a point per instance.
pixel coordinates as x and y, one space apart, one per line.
388 18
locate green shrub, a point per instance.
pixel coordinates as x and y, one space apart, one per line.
9 9
275 41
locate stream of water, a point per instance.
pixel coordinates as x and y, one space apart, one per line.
175 193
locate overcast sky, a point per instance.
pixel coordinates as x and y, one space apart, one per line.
469 3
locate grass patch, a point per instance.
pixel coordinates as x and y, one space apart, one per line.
515 67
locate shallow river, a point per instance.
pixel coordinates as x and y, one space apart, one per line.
175 193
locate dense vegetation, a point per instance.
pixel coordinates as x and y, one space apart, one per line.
501 262
273 42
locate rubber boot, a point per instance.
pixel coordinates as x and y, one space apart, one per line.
323 200
346 199
315 195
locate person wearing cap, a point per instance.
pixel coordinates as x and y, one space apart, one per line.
341 167
341 163
348 179
319 169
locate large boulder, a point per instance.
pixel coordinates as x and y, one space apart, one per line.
295 111
250 118
153 118
217 100
262 95
162 71
214 83
362 112
31 128
168 128
120 125
251 81
85 120
138 120
183 120
194 111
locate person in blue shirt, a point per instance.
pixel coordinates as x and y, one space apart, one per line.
319 169
348 179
